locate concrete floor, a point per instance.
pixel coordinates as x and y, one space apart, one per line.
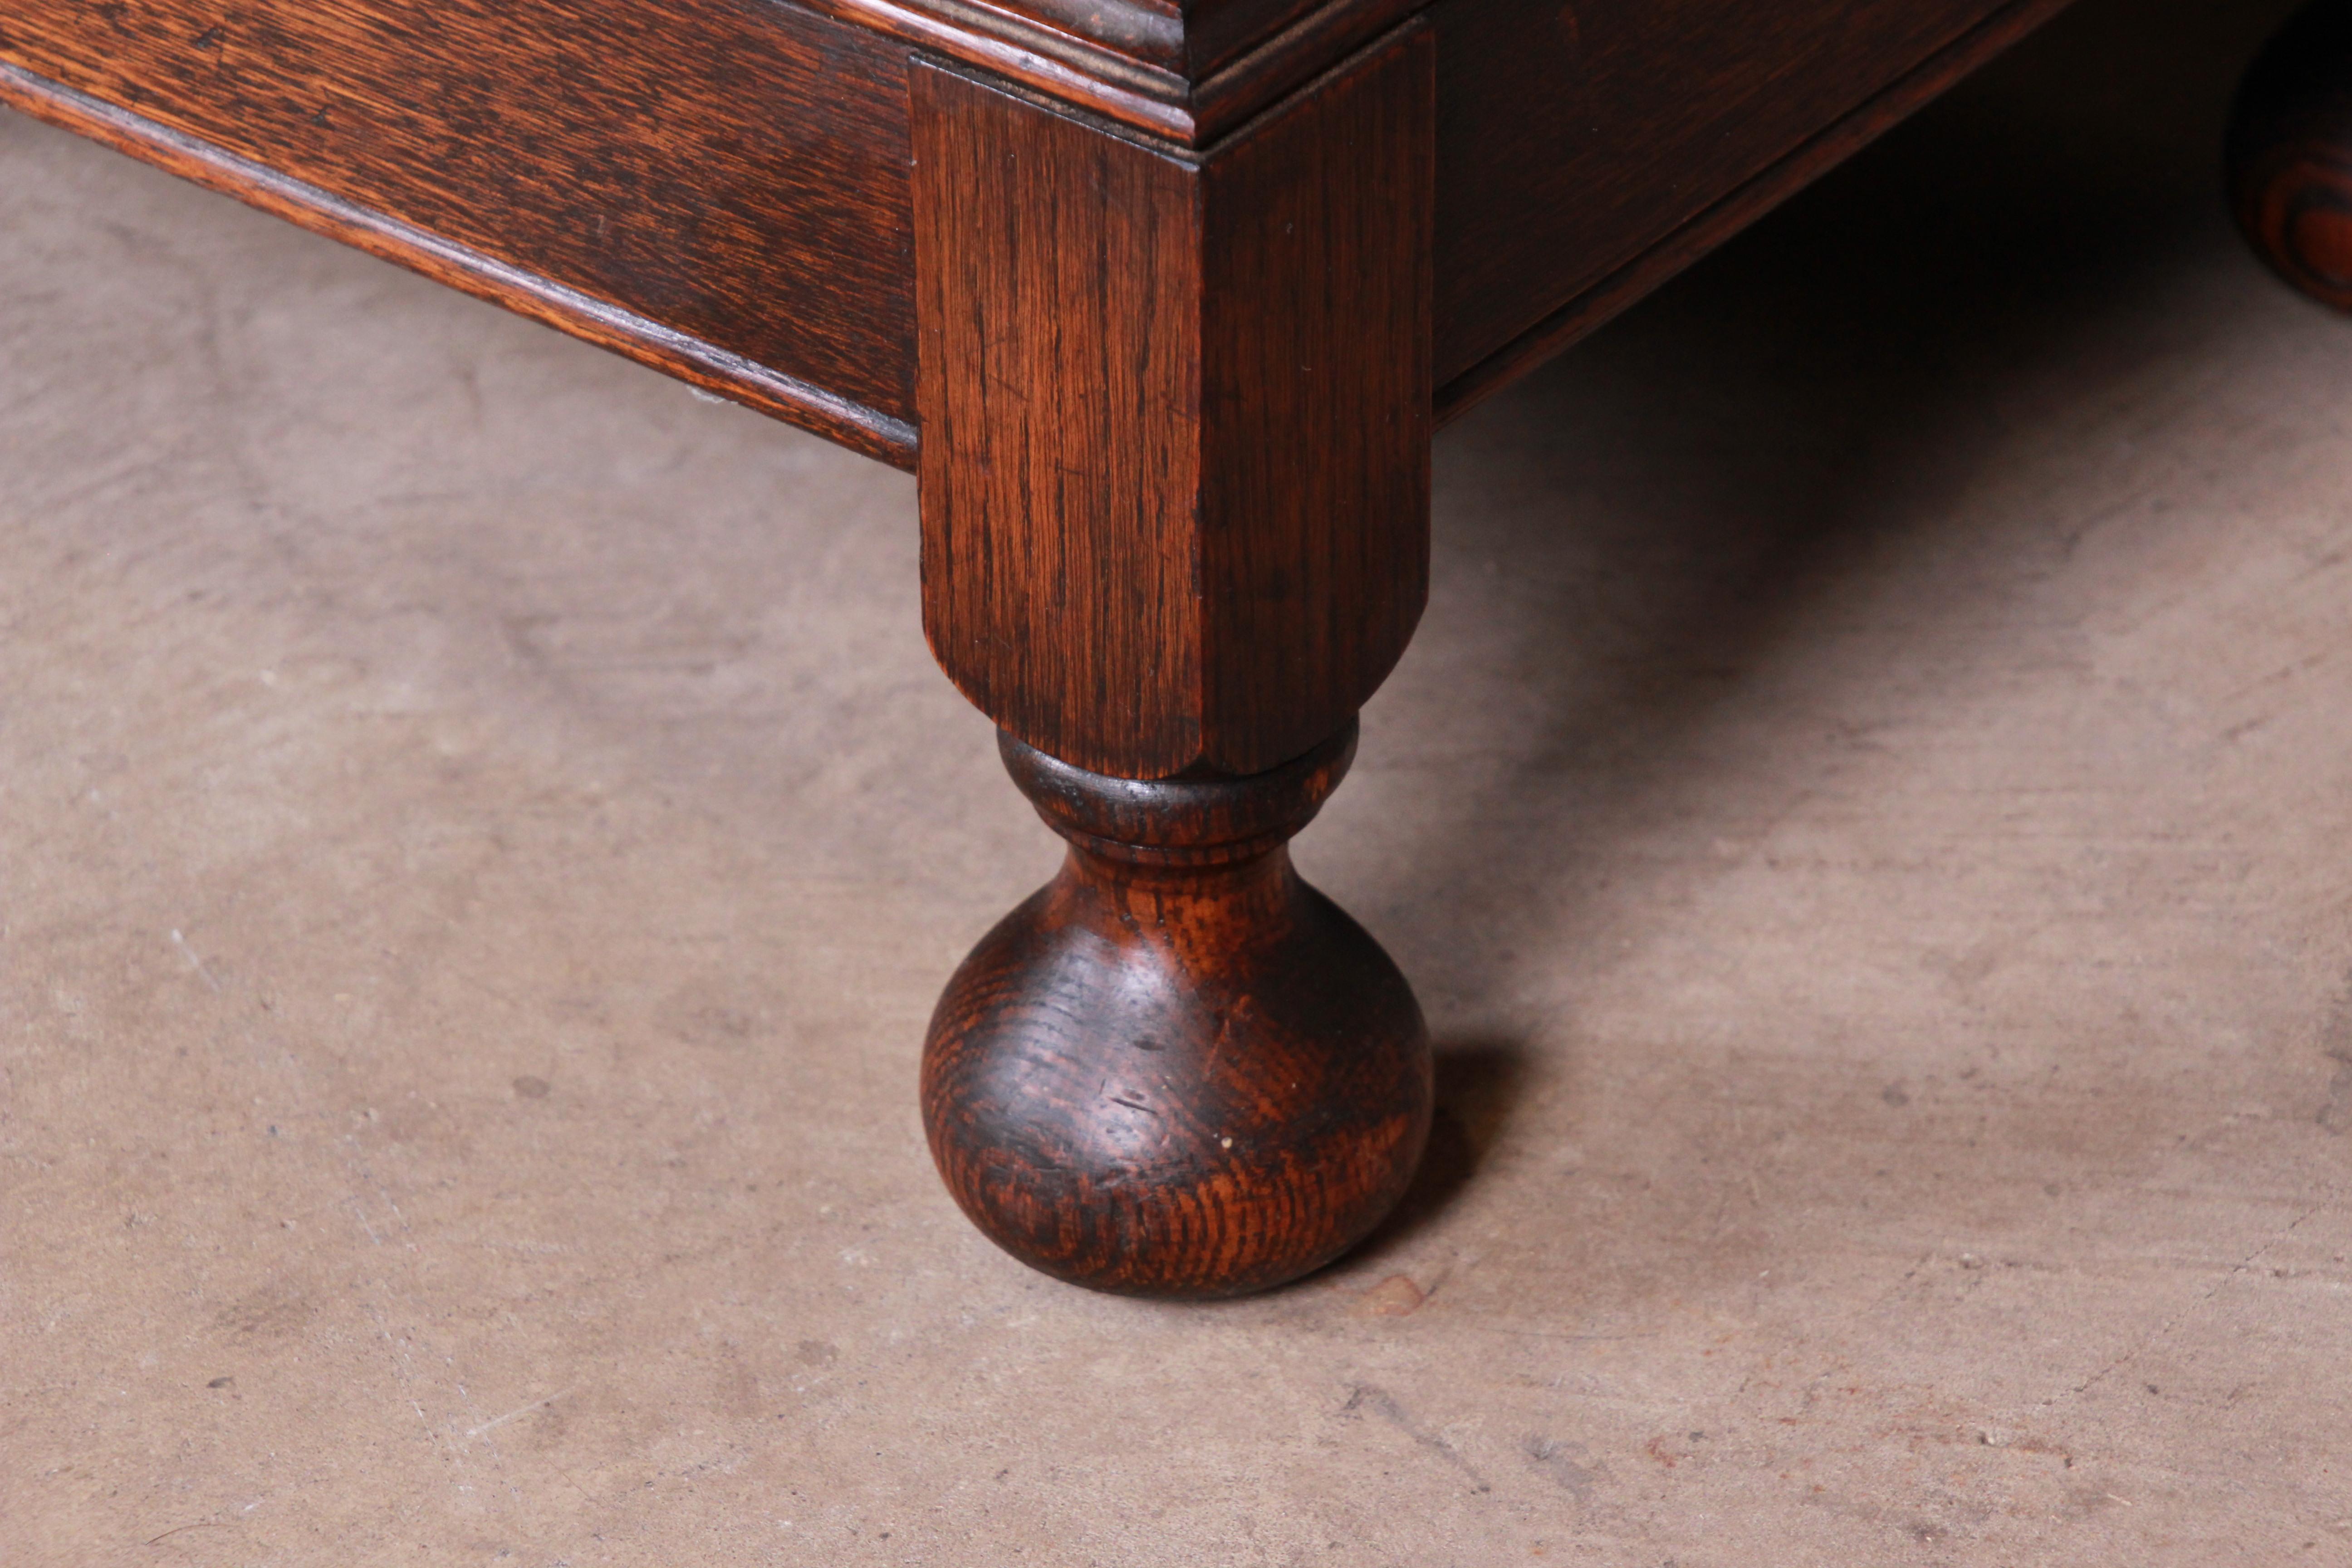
1867 812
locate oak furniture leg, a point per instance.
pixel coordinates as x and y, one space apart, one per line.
1178 1069
2290 153
1159 299
1174 479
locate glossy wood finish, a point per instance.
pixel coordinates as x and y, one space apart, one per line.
1175 478
2290 153
1188 38
1177 1070
732 171
720 187
1590 150
1656 170
1187 74
1175 488
583 315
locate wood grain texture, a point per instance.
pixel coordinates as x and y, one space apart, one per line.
1190 40
1589 150
1187 74
719 187
734 170
2290 153
648 341
1177 1070
1176 423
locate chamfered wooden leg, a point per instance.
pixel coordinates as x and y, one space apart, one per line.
2290 153
1175 411
1178 1069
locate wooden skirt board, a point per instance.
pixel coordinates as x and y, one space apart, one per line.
1163 303
721 187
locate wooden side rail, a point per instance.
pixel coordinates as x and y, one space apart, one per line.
720 187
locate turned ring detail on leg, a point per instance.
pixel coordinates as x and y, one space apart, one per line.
1177 1070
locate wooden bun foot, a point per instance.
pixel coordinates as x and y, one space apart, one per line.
2290 153
1177 1070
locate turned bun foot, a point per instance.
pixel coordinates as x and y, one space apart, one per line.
2290 153
1177 1070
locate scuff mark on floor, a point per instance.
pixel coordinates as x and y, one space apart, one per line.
1363 1397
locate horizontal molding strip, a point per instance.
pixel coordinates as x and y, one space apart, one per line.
567 310
1121 88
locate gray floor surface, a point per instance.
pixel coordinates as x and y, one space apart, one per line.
1867 814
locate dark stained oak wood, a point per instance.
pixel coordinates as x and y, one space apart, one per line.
1589 150
2290 153
731 170
583 315
1188 40
1174 495
1186 74
1177 1070
1175 478
720 187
